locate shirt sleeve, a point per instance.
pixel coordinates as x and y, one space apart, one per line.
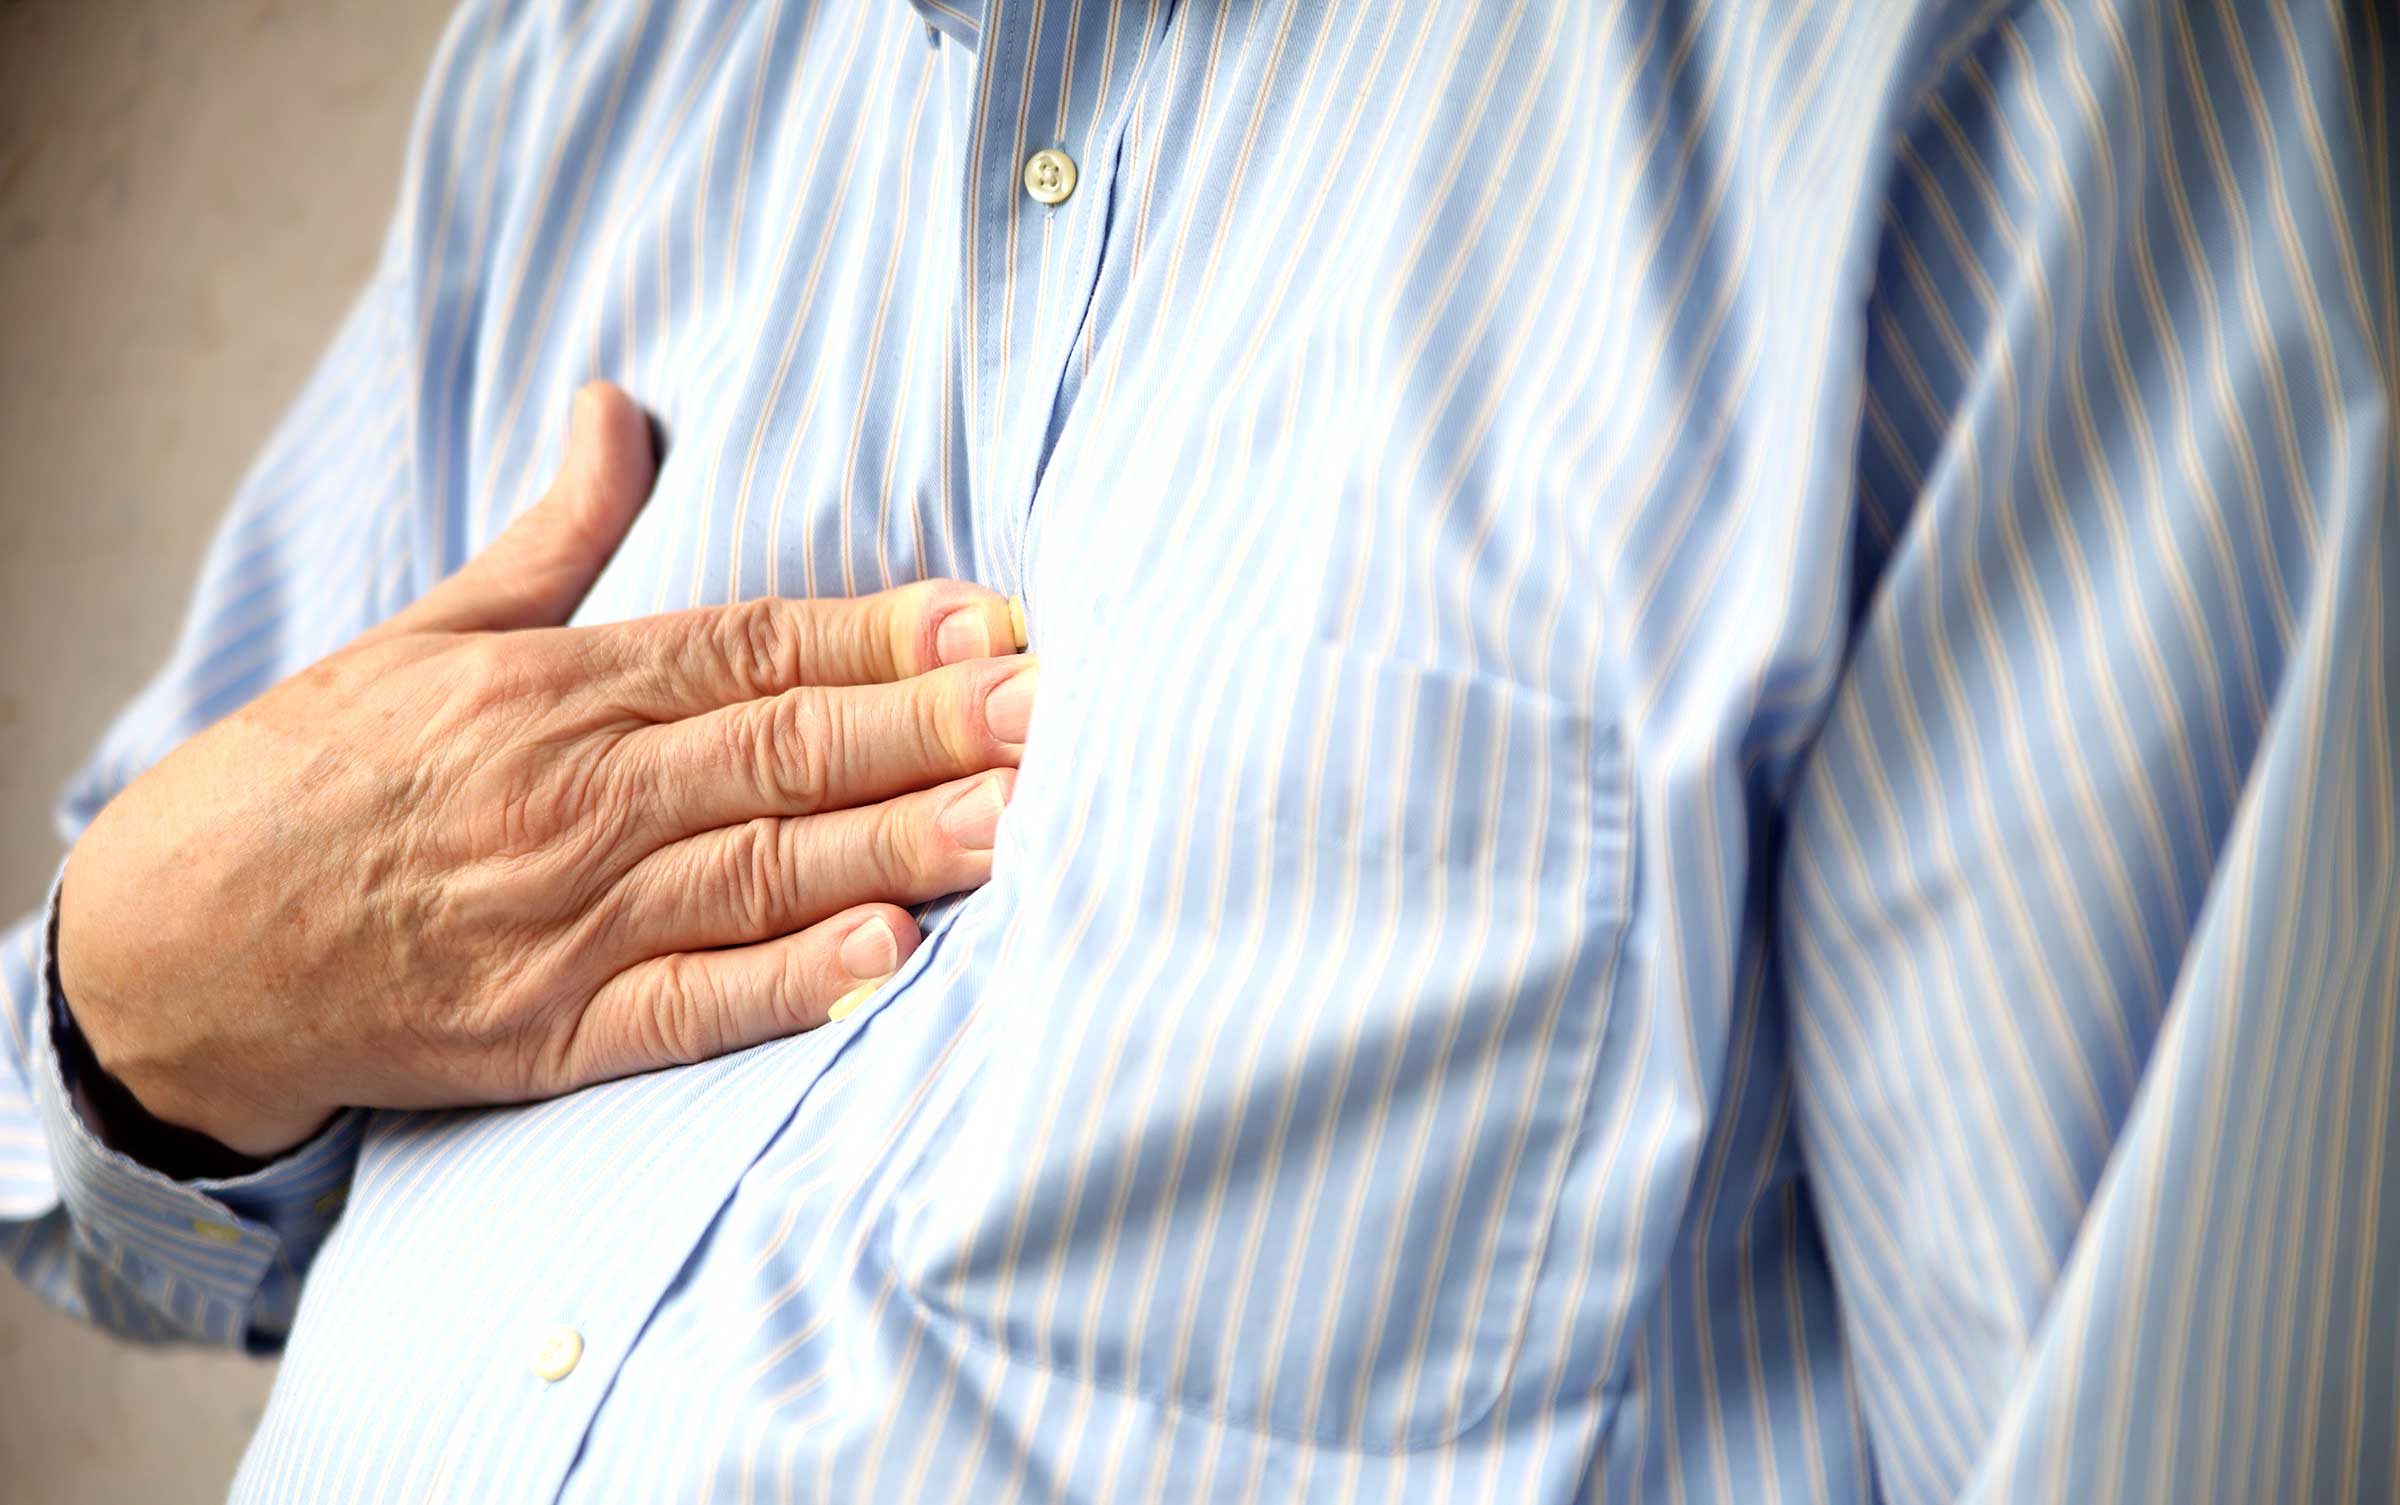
2090 897
316 546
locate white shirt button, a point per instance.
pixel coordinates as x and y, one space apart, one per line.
561 1351
1050 176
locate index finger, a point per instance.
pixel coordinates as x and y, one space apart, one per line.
688 663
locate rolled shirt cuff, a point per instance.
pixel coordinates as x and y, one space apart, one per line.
220 1258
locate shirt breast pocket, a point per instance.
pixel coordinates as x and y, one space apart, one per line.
1288 1040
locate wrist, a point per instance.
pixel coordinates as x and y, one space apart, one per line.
120 1120
137 1112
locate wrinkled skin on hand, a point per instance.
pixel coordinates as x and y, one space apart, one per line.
477 856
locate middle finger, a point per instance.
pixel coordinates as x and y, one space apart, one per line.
819 748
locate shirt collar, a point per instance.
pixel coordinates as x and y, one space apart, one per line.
959 20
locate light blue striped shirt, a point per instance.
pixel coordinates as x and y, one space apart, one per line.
1713 811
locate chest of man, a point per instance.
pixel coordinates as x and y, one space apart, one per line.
1249 1086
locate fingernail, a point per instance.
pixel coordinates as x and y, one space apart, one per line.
973 819
871 951
849 1003
963 635
1008 710
1016 620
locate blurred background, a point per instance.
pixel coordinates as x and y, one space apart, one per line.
190 190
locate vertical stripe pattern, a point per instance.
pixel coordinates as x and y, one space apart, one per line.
1713 811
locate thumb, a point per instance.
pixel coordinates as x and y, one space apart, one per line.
537 571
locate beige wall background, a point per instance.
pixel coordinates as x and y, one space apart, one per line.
190 190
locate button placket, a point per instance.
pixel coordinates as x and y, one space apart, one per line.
1050 176
1034 203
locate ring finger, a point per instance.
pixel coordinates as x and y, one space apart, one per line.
777 874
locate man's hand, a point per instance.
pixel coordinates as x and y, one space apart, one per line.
479 857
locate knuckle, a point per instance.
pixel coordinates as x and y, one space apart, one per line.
612 921
603 802
515 1026
759 874
487 675
760 642
505 1012
506 813
948 724
679 1022
523 817
802 749
902 845
560 808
